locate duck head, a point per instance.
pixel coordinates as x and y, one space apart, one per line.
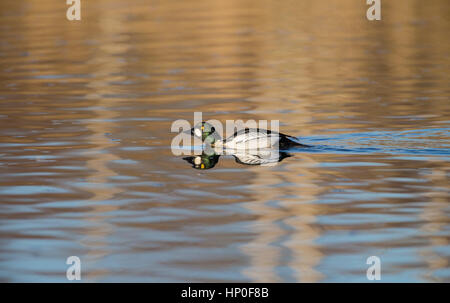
204 131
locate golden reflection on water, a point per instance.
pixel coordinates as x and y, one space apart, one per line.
85 115
100 155
297 215
435 217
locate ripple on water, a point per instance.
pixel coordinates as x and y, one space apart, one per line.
86 167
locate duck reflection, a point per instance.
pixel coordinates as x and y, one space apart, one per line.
247 157
203 161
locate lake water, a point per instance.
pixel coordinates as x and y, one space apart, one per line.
86 167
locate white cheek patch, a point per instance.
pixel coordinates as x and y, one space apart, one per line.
197 160
198 132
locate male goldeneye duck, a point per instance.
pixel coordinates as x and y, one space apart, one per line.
247 138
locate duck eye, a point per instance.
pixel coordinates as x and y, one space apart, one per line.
213 129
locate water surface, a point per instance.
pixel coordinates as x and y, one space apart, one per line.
86 167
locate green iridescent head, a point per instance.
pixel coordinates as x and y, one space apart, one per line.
205 131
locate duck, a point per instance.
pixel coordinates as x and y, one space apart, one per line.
247 138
